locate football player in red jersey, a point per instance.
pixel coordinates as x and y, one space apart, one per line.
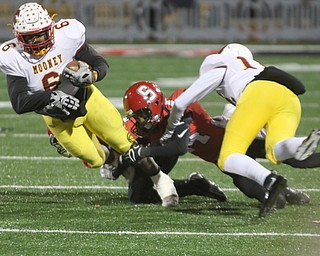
35 64
147 113
266 97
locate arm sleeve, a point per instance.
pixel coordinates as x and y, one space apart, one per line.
205 84
89 55
21 99
177 146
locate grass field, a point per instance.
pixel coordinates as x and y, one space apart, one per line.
50 205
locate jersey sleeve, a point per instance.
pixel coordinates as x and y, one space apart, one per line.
70 33
8 62
205 84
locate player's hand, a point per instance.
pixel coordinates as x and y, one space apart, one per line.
219 121
63 101
132 156
167 136
107 172
80 78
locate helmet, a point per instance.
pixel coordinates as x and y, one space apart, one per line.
237 50
143 101
31 21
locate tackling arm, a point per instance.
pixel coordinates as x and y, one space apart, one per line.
205 84
176 147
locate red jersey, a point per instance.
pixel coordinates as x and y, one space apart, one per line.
205 138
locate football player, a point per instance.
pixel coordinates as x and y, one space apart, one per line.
265 97
140 186
147 113
35 63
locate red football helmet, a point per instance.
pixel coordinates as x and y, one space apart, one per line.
34 29
143 101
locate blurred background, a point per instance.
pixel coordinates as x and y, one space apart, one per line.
185 21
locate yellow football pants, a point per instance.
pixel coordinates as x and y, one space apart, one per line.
103 120
263 104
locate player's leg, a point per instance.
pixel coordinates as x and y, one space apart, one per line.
257 150
78 141
253 190
141 191
195 184
309 145
163 184
281 128
312 161
255 108
104 120
250 116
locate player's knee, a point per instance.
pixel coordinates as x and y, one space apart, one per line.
123 147
221 161
271 157
94 162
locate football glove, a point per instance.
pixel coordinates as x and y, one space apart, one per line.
167 136
80 78
63 101
55 143
219 121
131 157
107 171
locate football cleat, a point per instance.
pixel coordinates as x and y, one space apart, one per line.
308 146
205 187
274 184
296 197
60 149
281 200
291 196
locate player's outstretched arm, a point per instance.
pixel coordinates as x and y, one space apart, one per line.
177 146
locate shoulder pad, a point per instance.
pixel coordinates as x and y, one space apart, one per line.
8 62
68 30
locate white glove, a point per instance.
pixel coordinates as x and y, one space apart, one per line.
63 101
166 137
81 78
220 121
106 171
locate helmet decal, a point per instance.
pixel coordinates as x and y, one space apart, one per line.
148 94
144 102
34 29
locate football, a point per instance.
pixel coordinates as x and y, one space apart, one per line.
74 65
65 85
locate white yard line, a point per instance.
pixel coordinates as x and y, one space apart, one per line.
62 187
108 187
154 233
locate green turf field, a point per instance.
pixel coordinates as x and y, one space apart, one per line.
50 205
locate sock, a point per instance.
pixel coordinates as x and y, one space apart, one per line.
247 167
287 148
